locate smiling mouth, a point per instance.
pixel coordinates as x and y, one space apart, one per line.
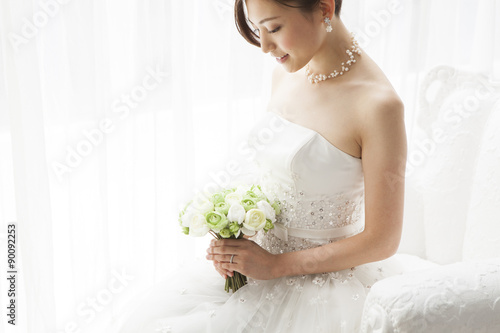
279 58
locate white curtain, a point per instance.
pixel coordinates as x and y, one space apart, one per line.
113 113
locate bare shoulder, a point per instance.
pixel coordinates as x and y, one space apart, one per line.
381 130
380 111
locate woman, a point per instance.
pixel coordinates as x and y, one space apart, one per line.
337 164
358 112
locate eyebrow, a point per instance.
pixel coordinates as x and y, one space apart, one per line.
266 19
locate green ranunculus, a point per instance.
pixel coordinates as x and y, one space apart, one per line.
185 230
255 196
257 190
226 192
251 194
222 207
269 225
217 197
234 227
225 233
248 203
216 221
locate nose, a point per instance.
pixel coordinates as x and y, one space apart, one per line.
266 44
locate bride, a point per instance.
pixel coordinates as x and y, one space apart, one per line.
337 165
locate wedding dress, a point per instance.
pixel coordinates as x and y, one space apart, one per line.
321 189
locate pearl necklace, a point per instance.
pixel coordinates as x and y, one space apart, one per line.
345 66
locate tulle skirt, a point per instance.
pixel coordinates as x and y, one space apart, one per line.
193 300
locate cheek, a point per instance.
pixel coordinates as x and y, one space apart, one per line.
300 40
288 43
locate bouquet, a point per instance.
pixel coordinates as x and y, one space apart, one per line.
230 213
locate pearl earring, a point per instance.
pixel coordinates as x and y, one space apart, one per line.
328 24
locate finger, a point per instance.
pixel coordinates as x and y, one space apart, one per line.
223 272
230 242
218 269
229 267
225 250
218 266
220 257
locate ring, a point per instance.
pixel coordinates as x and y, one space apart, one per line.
231 261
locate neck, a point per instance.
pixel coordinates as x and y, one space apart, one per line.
333 51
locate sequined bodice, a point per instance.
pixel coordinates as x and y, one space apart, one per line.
321 188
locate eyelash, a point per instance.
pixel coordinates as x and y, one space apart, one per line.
256 31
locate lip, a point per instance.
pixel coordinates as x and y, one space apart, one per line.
282 59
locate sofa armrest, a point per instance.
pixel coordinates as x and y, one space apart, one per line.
461 297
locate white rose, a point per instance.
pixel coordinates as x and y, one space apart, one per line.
267 209
202 204
233 198
198 225
187 217
236 213
242 190
247 232
255 220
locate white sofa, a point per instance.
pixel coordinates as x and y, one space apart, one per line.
452 213
460 297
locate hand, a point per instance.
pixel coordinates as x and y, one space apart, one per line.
249 258
217 265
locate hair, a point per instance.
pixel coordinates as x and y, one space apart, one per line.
305 6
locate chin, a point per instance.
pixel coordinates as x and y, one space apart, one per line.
293 70
290 69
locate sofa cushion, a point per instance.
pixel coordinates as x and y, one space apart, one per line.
460 297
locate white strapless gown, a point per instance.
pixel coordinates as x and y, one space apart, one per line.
322 194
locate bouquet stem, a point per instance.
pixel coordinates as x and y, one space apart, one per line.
235 282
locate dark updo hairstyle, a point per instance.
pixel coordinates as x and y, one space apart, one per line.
306 6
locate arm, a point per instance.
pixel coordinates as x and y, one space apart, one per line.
383 142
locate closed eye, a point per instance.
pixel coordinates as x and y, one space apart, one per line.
257 32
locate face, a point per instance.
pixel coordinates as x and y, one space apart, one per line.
285 33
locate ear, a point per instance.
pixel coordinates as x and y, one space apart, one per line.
327 8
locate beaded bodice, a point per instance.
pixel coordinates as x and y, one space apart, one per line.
321 188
